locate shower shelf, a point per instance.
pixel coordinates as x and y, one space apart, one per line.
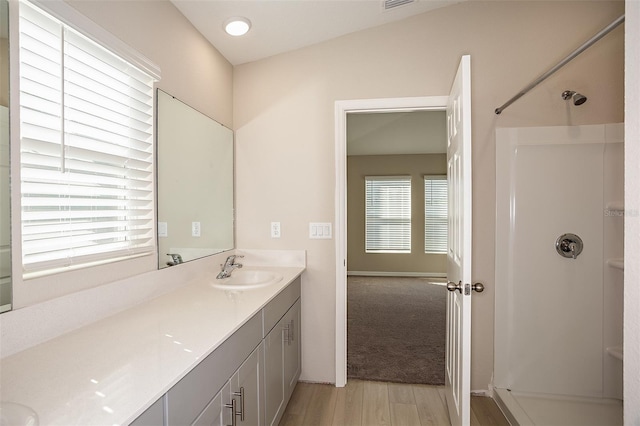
616 352
616 263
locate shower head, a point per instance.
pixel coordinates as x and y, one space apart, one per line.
578 99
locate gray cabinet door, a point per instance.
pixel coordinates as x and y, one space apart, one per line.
291 352
282 363
274 377
247 390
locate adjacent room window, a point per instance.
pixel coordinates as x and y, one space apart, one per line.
388 214
86 132
435 214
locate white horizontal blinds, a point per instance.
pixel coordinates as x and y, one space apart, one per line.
435 214
86 148
388 214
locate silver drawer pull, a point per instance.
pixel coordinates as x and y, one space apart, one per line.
241 412
293 335
287 334
233 411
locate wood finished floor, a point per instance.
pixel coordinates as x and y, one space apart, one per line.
368 403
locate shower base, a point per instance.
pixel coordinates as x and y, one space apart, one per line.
527 409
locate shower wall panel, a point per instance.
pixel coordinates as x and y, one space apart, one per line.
613 283
550 310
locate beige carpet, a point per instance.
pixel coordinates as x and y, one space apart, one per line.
395 329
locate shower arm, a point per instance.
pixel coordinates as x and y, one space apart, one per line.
562 63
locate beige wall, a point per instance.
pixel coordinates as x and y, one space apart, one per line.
284 121
416 166
414 132
192 70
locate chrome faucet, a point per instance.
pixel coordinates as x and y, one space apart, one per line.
228 267
176 259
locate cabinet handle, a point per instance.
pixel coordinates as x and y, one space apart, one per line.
233 411
241 412
293 335
287 336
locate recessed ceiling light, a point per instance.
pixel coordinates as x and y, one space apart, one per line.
237 26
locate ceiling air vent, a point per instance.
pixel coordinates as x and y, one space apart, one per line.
392 4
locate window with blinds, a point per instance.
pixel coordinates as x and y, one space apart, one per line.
435 214
86 134
388 214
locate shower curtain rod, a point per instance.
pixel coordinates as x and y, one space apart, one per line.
563 62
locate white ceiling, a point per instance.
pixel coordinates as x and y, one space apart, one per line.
282 25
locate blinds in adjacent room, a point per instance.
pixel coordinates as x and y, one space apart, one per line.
86 133
388 214
435 214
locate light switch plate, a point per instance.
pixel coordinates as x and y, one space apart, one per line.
163 229
275 229
195 229
320 231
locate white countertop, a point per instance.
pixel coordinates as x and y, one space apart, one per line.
109 372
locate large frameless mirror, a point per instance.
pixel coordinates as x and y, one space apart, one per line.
195 183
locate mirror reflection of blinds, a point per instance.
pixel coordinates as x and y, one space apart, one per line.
86 129
388 214
435 214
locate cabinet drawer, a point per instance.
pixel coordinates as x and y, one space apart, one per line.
187 399
280 305
212 415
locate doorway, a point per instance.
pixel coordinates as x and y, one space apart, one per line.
396 246
435 103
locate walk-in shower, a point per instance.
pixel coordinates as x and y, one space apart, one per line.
559 274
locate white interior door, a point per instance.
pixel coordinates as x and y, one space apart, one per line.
458 350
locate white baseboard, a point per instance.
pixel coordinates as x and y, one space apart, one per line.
398 274
483 393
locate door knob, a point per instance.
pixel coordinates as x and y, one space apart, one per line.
479 287
451 286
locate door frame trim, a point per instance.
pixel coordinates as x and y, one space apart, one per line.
342 108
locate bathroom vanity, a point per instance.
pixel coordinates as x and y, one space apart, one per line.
195 355
259 364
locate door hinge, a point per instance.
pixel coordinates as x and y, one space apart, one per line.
467 289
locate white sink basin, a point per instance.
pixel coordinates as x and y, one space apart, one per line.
247 279
12 414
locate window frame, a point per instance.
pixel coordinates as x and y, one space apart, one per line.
440 222
72 20
378 238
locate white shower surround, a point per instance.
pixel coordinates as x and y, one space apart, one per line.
558 321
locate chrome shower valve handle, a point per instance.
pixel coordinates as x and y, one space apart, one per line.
569 245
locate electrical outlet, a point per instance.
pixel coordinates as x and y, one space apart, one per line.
275 229
195 229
